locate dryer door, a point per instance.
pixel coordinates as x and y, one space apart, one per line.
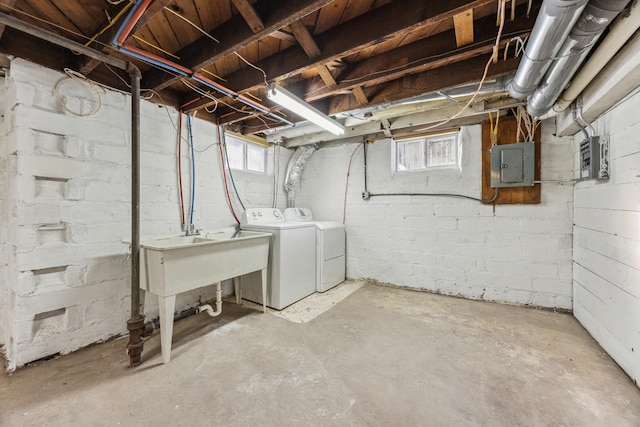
334 242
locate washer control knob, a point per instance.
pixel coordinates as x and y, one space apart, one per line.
276 213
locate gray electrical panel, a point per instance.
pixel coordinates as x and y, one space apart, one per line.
512 165
592 165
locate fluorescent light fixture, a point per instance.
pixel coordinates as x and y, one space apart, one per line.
296 105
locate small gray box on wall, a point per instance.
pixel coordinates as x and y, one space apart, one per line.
512 165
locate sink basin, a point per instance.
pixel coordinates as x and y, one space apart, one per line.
175 264
174 242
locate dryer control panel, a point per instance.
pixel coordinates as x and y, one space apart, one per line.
261 216
298 214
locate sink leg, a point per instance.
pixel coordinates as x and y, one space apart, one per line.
237 285
167 307
264 290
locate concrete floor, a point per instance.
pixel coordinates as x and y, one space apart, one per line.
380 357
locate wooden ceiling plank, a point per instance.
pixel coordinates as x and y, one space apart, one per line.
349 38
463 23
330 16
52 14
455 74
177 14
355 8
234 34
429 53
249 14
213 12
304 37
152 11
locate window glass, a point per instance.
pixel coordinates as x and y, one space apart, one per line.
256 158
235 153
427 152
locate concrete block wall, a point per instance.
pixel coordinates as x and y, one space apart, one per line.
4 207
606 264
67 279
519 254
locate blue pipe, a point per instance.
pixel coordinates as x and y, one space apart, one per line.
127 18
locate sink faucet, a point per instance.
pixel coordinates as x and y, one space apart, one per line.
192 231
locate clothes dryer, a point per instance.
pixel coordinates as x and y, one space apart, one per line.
330 247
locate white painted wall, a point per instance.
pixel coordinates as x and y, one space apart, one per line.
606 268
68 276
518 254
4 289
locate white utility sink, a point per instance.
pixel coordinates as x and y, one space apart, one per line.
175 264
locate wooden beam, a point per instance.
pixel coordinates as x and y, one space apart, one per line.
326 76
422 55
463 24
281 35
105 39
249 14
234 35
455 74
5 6
364 31
304 37
360 96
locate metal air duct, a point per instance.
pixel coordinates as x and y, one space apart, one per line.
294 172
595 18
555 20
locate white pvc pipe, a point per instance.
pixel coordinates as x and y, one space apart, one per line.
619 33
208 308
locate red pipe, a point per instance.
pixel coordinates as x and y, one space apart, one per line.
134 20
158 58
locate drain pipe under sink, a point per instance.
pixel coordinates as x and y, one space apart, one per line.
208 308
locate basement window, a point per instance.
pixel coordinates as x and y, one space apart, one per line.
245 154
433 151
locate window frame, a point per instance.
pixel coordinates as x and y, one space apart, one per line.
424 139
253 142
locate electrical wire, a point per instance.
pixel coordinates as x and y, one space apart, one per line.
346 185
180 170
82 80
496 47
111 21
226 156
224 177
193 170
264 74
462 196
276 173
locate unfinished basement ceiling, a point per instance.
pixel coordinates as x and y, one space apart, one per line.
342 56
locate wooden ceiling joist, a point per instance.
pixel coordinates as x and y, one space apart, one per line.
349 38
234 34
4 5
428 53
249 14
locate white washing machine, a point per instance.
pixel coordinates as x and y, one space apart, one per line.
330 247
292 267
